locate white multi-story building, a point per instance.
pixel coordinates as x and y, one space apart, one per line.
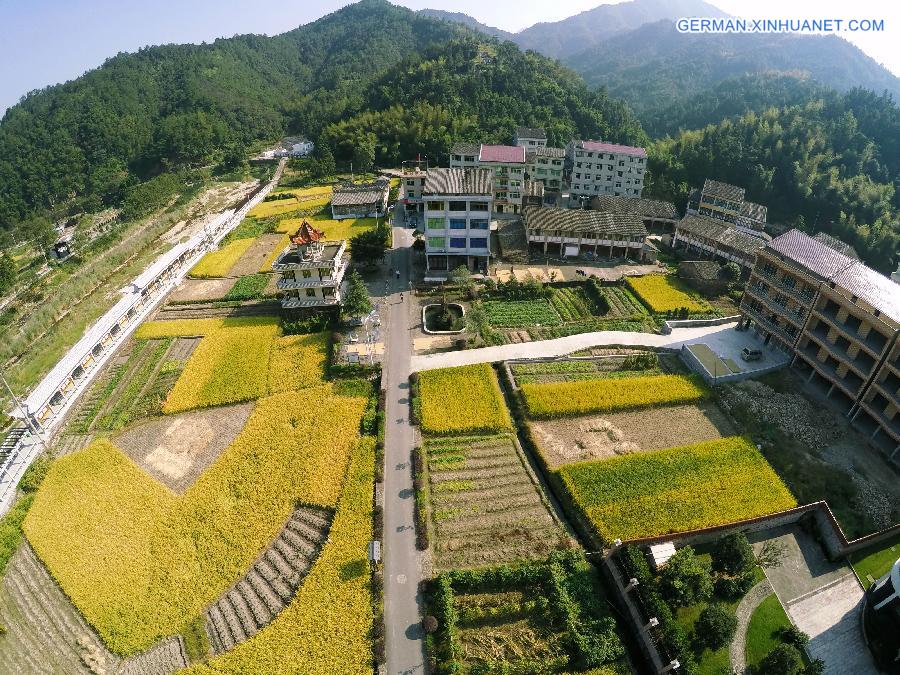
545 165
506 163
597 168
458 203
530 138
312 270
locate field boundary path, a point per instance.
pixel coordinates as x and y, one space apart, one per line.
404 640
574 343
744 611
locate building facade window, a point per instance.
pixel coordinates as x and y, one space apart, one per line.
435 223
457 223
457 242
435 206
457 206
478 242
436 242
479 224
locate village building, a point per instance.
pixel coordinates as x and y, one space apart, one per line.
840 320
529 138
727 202
458 205
708 237
545 165
596 168
579 232
360 200
312 270
658 216
507 165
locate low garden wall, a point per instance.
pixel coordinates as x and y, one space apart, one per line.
669 324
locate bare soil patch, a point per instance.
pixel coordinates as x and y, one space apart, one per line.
603 436
176 449
255 256
201 289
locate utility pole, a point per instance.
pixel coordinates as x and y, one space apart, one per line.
32 427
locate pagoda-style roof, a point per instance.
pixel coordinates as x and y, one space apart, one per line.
306 234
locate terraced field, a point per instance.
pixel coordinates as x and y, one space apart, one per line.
268 587
485 503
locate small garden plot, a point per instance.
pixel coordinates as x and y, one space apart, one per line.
573 303
176 449
675 490
582 397
632 365
255 256
460 400
218 263
548 617
622 304
596 437
249 287
123 406
192 290
520 313
485 506
667 293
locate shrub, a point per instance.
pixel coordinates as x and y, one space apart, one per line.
429 624
732 554
685 579
716 626
783 660
583 397
794 636
461 400
734 588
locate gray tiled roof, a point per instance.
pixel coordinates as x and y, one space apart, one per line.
814 256
754 211
707 270
648 208
545 151
529 132
350 195
720 232
583 221
715 188
836 244
458 181
466 149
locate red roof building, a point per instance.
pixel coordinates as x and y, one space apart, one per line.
505 154
306 234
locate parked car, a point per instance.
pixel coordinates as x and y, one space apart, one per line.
749 354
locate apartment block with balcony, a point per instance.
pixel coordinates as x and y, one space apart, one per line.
727 202
312 270
595 168
545 165
530 138
458 205
506 163
840 320
711 238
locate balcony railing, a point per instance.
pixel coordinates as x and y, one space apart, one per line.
891 426
849 384
312 282
820 337
297 303
791 315
769 325
844 329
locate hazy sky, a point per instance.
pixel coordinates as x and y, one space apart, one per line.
44 42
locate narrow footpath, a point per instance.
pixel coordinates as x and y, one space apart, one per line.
404 640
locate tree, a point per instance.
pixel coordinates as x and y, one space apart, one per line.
771 554
462 278
364 154
324 160
42 233
732 271
234 159
7 273
477 320
686 579
356 299
367 248
732 554
785 659
716 626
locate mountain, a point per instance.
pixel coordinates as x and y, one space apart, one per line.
592 28
95 137
468 22
655 63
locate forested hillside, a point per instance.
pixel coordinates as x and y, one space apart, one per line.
472 90
830 163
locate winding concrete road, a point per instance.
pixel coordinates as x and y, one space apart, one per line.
404 641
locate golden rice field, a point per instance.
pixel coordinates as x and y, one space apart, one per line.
326 626
582 397
333 229
463 399
304 198
218 263
676 489
665 293
298 361
140 563
156 330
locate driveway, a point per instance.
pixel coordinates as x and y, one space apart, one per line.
823 599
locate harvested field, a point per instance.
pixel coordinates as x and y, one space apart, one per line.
176 449
45 633
255 256
485 504
604 436
191 290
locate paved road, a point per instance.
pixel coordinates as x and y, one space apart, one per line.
712 335
404 642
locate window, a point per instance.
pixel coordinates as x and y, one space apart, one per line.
307 274
410 183
457 242
310 292
436 242
435 206
478 206
478 242
457 158
457 223
328 292
457 206
479 224
436 224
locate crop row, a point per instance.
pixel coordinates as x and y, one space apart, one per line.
248 287
664 293
462 400
153 330
621 301
216 264
571 304
676 489
563 399
521 313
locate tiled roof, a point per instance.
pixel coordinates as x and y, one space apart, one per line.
528 132
818 257
306 234
545 151
714 188
720 232
648 208
754 211
508 154
351 195
583 221
459 181
707 270
837 244
614 148
465 149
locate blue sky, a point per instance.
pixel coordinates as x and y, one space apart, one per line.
49 41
